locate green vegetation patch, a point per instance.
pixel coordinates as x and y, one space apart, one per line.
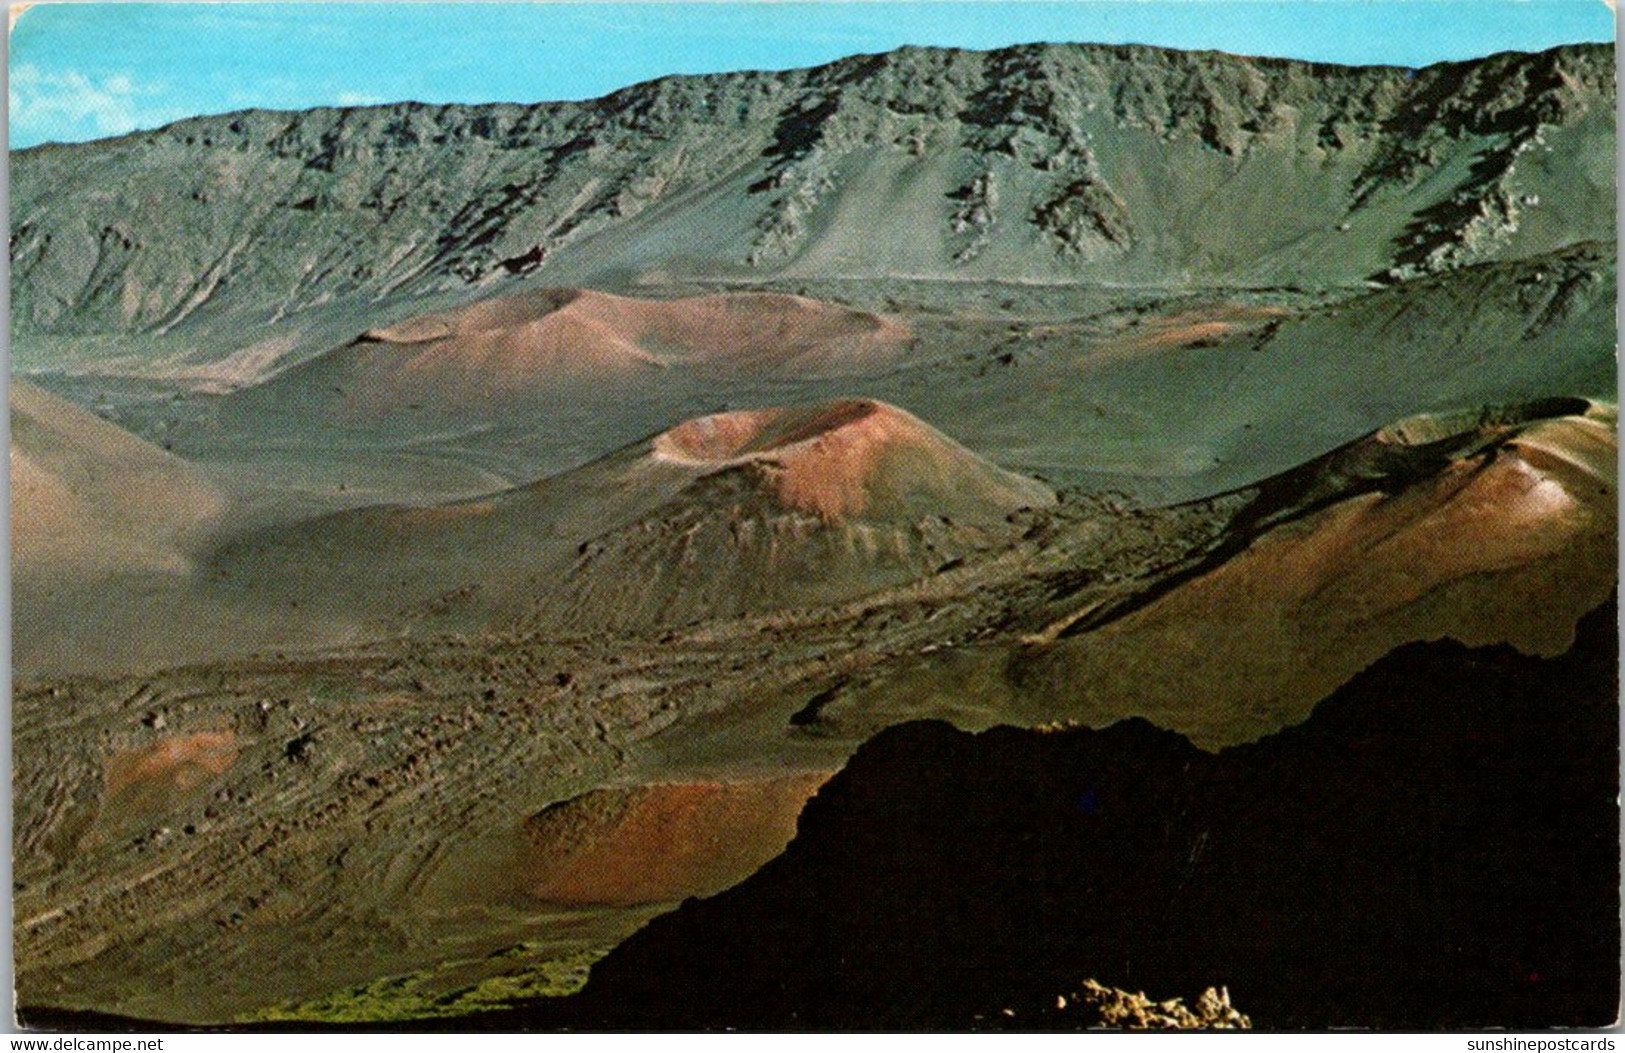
415 997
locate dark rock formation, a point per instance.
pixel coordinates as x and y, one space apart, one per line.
1437 847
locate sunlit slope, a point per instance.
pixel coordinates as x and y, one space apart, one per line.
506 359
1494 526
721 515
88 498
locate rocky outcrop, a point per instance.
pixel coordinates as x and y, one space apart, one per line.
1096 1005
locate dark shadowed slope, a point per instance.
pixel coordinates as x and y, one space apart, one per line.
1436 847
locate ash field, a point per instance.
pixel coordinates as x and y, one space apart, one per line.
917 542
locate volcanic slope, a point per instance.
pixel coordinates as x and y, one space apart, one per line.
1492 526
723 515
514 786
106 534
1164 396
1436 847
662 842
552 349
89 497
1185 399
1033 163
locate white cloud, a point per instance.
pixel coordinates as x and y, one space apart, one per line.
68 104
358 98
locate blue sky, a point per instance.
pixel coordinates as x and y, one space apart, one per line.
86 70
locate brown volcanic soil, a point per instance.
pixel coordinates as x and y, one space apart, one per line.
1207 326
853 458
724 515
181 762
146 783
89 499
1487 532
791 509
1512 543
584 329
525 349
107 535
661 842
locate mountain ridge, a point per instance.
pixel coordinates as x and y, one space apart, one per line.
860 57
1040 162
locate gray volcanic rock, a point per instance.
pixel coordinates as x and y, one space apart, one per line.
1041 162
